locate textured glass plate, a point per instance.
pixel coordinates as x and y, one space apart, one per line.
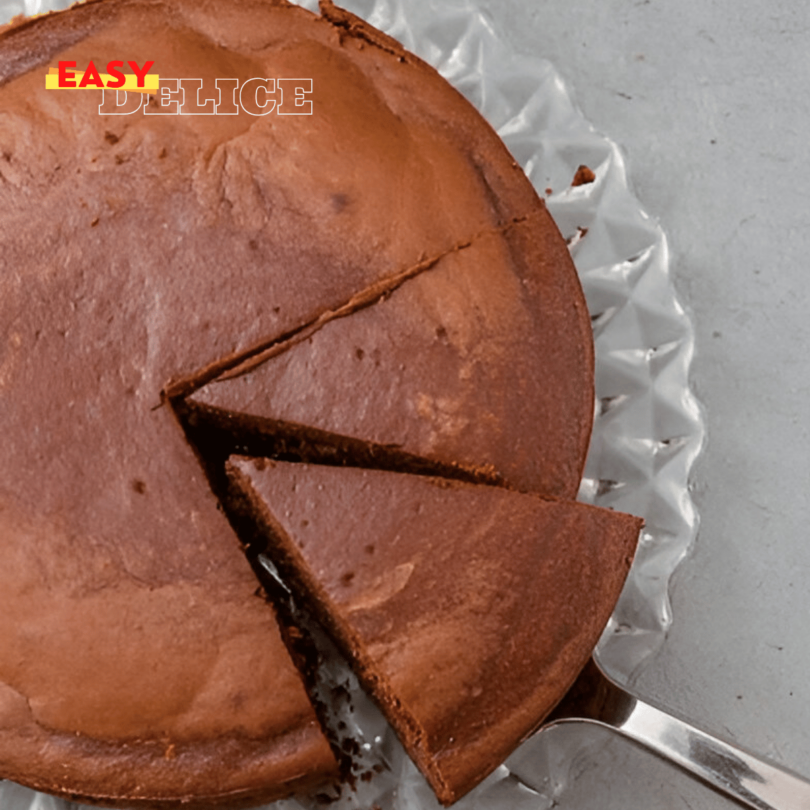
648 427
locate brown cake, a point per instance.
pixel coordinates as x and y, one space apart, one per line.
150 253
467 610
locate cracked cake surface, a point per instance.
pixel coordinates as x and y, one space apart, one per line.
147 253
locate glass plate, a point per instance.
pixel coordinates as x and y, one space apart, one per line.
648 429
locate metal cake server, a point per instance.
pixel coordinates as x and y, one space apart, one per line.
738 774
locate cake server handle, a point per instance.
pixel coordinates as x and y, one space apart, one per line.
738 774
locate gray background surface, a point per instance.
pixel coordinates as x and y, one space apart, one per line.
709 103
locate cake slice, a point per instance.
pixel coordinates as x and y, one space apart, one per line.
466 610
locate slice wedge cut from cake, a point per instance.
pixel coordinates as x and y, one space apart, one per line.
466 610
482 358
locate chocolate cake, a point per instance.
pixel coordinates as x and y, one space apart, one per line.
467 610
155 263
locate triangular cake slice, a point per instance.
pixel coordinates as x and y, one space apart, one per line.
466 610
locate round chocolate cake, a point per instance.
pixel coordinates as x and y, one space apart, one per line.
305 231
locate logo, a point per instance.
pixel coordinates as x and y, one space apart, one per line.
129 93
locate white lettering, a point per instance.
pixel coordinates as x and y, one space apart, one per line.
191 99
249 96
293 97
119 102
256 96
227 103
162 102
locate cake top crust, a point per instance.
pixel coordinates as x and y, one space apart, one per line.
144 249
